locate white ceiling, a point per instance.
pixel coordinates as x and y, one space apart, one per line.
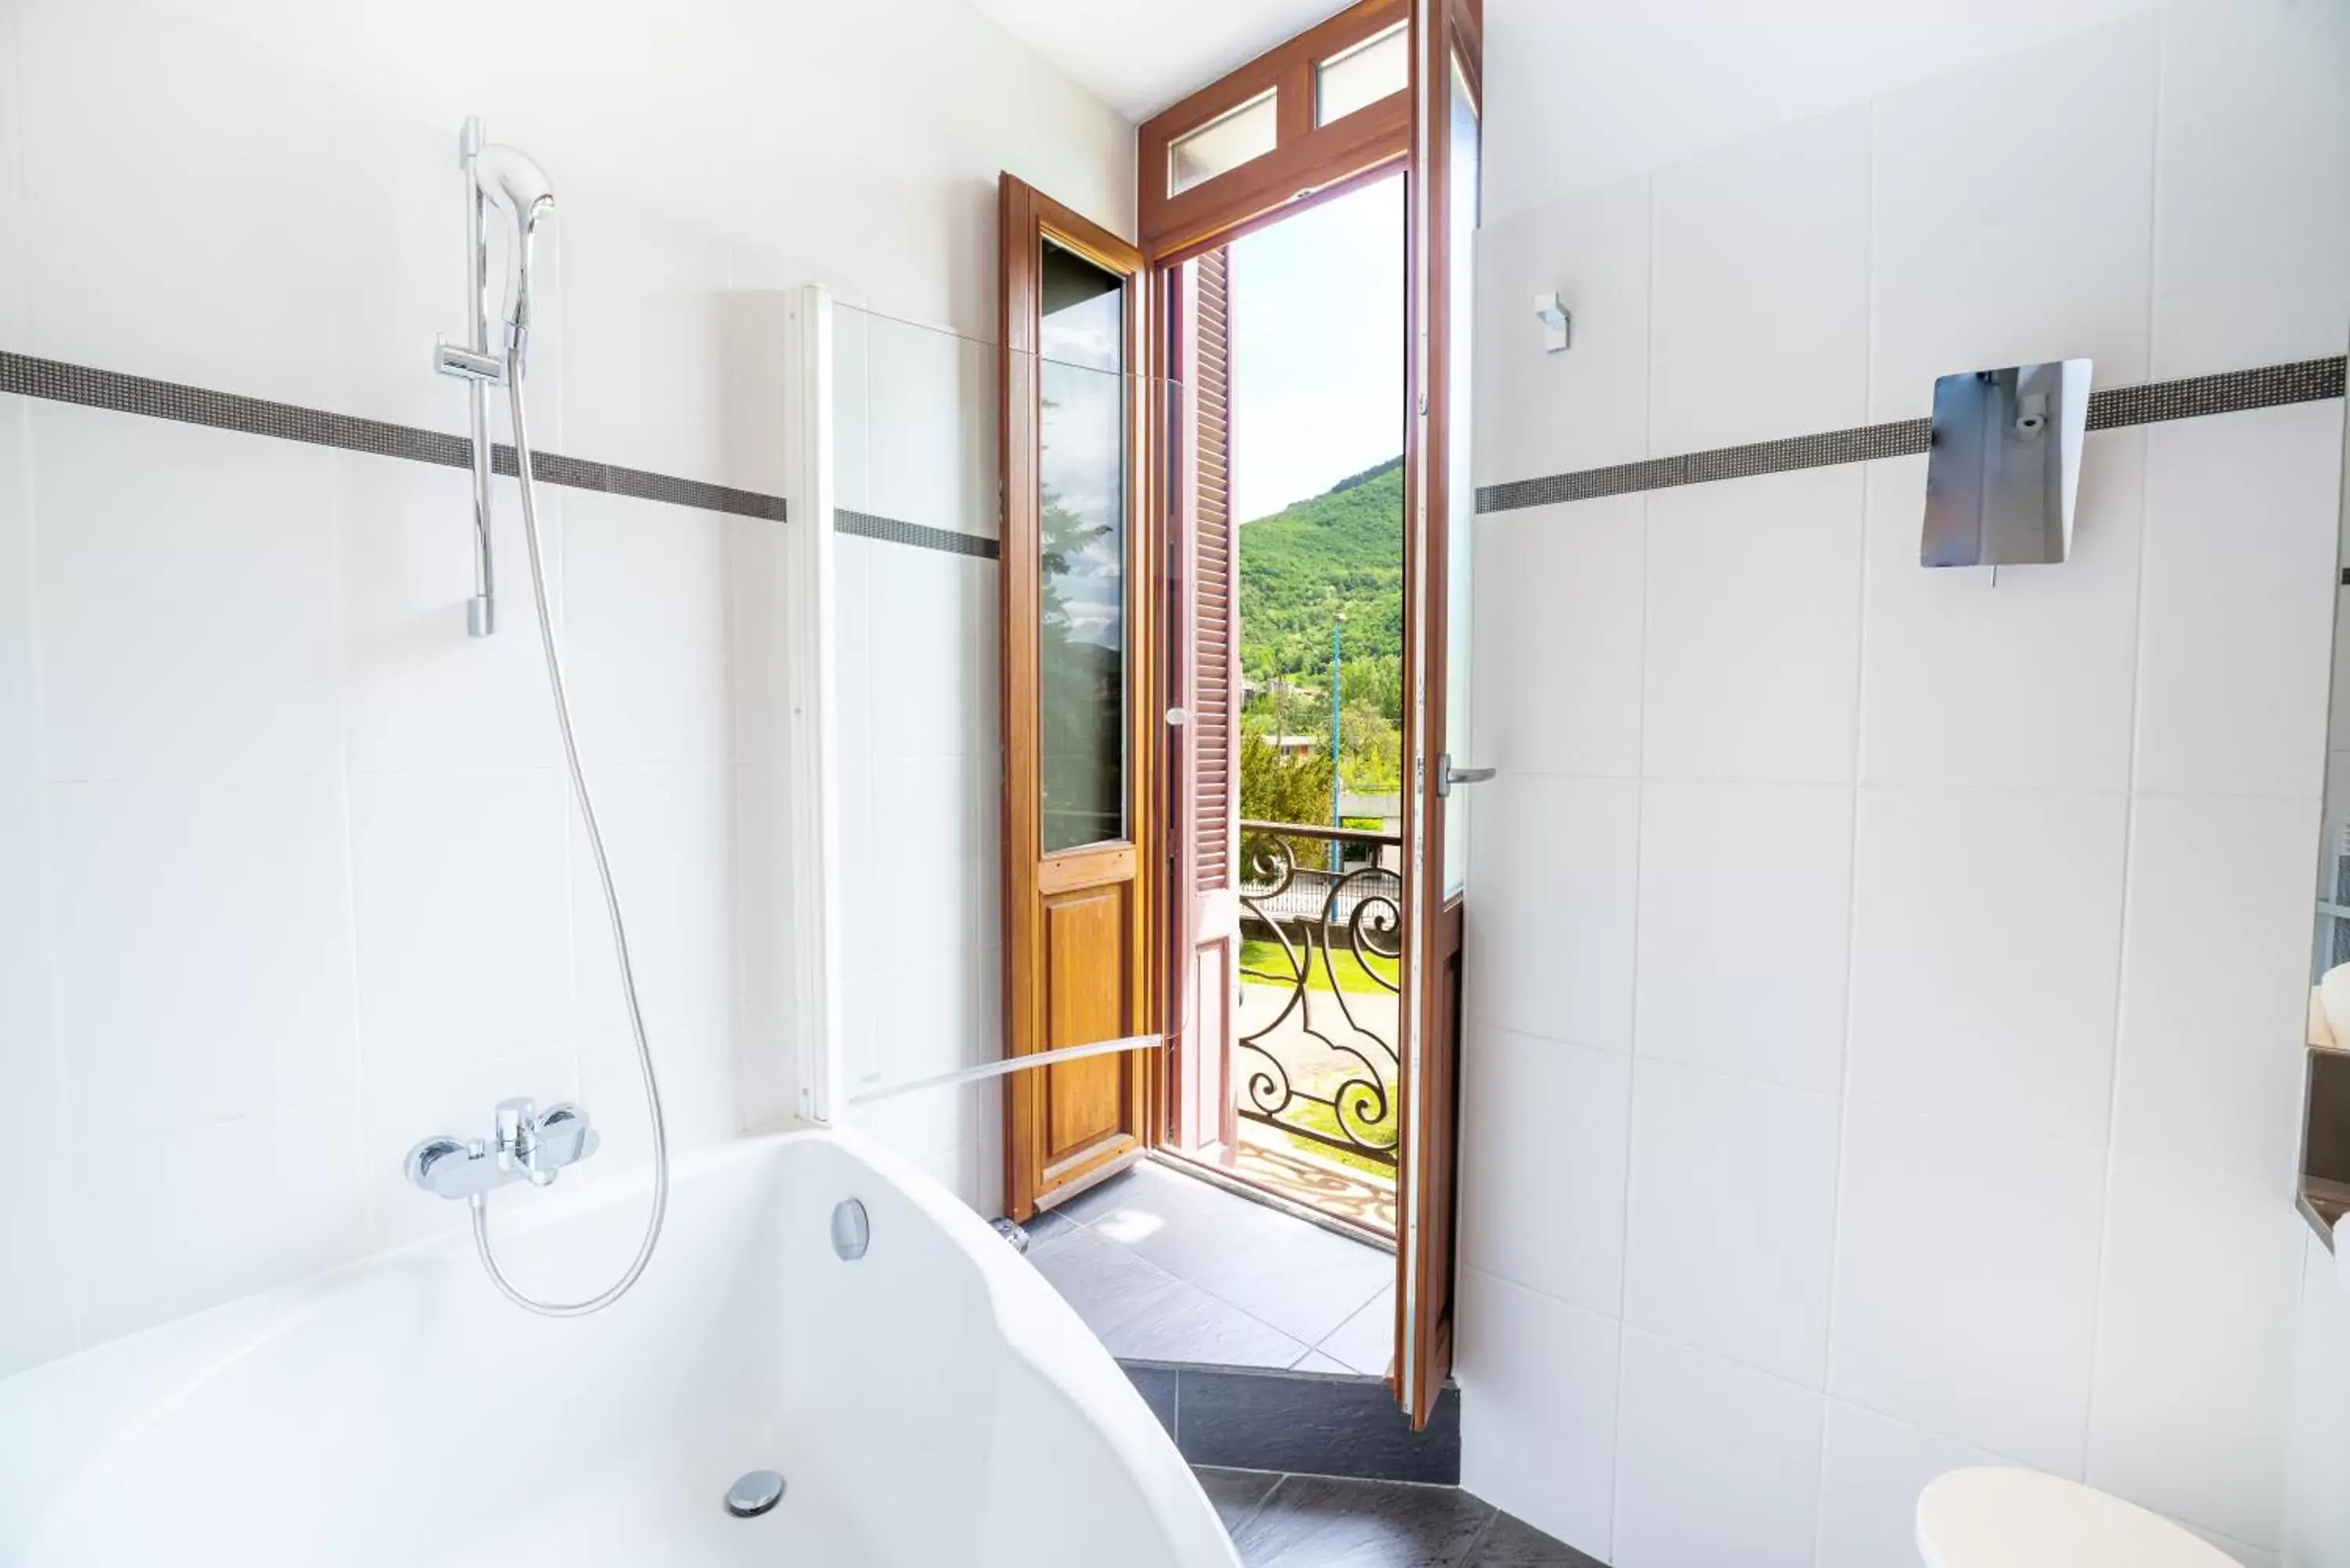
1140 56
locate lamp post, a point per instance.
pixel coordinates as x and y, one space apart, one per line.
1337 696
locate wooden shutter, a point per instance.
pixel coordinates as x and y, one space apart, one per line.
1215 651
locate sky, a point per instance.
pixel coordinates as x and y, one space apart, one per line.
1318 348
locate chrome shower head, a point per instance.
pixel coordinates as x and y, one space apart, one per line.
521 190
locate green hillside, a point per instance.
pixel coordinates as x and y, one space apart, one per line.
1340 550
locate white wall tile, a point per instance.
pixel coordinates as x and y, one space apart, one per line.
981 657
2024 681
1543 1180
1538 1409
1966 1282
1745 924
668 830
1539 412
1715 1463
190 602
922 838
170 1224
765 985
756 384
2251 236
200 255
463 903
921 638
2242 516
1559 855
1760 325
1986 945
422 693
1557 625
644 372
1731 1234
986 1193
1754 629
204 950
1871 1471
36 1237
32 1080
2214 982
2317 1505
1991 249
694 1059
2194 1345
1573 95
644 636
15 240
930 427
760 621
852 331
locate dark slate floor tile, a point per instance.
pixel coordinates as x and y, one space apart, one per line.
1156 1386
1318 1522
1237 1494
1307 1424
1048 1224
1511 1542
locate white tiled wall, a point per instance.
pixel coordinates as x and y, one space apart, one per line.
921 770
289 875
1884 987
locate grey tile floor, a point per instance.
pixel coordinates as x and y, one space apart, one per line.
1320 1521
1164 1267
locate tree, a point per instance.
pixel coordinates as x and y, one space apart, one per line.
1370 748
1276 788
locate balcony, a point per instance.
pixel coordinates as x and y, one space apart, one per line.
1318 1026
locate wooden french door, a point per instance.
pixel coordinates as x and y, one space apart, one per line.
1315 135
1440 502
1081 726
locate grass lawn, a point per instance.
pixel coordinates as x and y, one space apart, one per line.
1267 958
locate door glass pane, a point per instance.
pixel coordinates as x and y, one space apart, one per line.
1083 626
1459 494
1225 143
1380 67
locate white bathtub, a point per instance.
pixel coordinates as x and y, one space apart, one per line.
934 1403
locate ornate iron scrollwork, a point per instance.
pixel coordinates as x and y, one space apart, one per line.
1348 923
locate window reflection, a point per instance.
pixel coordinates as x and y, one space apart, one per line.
1083 505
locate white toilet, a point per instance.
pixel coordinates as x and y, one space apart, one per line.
1995 1517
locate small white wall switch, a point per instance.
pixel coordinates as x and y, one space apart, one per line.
1556 322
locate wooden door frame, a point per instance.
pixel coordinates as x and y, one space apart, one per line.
1306 160
1027 218
1407 131
1427 1206
1309 165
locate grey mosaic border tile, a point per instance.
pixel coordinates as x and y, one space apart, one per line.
889 530
2226 392
58 382
2190 397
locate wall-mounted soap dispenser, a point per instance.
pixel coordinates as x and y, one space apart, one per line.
2005 465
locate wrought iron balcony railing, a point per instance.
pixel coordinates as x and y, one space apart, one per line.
1319 1011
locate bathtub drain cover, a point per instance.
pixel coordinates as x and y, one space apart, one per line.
754 1494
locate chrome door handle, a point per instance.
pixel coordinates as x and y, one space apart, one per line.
1447 775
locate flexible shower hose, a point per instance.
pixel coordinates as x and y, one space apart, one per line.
611 908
